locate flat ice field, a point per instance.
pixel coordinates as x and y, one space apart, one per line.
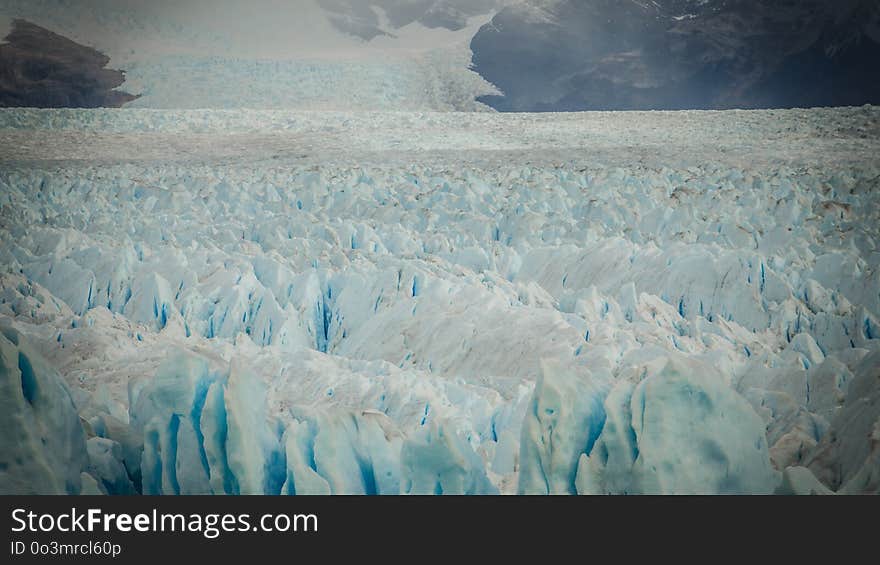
294 302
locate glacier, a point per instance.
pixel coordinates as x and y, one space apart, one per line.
222 54
297 302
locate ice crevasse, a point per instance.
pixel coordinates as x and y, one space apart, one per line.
195 429
439 327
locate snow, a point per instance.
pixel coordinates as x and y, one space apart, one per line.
257 301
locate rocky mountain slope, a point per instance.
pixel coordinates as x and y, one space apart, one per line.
41 69
550 55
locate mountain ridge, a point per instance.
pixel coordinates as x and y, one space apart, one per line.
670 55
39 68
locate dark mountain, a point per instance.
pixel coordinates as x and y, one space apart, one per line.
41 69
560 55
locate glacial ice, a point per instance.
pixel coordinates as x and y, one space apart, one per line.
563 422
678 431
436 460
441 303
44 449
